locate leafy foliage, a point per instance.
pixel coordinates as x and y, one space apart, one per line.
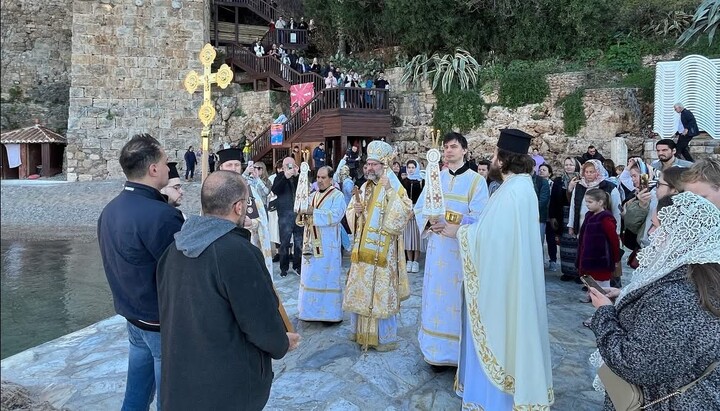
573 112
624 56
705 20
523 83
643 79
458 109
460 69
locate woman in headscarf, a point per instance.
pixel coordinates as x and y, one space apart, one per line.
593 176
413 184
663 331
559 211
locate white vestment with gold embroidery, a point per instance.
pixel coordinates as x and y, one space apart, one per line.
504 290
320 295
441 323
377 280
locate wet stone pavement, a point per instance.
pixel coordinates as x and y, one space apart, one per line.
85 370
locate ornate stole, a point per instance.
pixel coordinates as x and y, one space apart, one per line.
374 241
311 231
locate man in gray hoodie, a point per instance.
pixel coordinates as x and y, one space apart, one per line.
221 324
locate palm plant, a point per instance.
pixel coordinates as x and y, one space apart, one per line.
445 71
705 20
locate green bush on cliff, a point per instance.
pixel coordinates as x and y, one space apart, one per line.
573 111
458 110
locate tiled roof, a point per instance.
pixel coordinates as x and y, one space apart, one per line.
35 134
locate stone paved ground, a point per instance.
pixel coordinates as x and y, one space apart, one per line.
85 370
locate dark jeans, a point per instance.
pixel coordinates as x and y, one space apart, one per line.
682 148
190 171
288 228
551 242
211 167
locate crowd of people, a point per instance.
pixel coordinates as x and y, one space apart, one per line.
483 308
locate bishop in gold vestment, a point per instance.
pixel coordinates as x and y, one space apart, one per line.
377 280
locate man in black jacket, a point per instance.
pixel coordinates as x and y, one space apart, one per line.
134 230
221 324
690 130
591 154
284 187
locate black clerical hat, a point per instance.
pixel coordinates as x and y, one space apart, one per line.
514 141
173 170
230 154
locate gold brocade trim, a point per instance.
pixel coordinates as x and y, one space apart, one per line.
366 255
495 372
471 406
455 197
473 186
441 335
321 290
366 333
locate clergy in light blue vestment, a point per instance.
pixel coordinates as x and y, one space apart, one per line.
320 296
505 354
464 192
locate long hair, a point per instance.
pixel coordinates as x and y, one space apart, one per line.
515 163
263 173
599 195
706 278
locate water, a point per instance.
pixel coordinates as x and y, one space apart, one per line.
49 289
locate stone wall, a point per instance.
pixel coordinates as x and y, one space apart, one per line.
35 55
609 112
129 58
702 146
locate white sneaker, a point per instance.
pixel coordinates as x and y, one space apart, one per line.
416 267
553 266
409 266
546 265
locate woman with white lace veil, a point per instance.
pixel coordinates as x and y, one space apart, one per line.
663 331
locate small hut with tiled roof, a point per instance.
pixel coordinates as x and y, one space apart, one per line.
31 150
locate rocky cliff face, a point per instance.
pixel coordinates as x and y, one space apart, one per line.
609 112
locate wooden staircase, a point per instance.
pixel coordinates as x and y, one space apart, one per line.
334 112
223 32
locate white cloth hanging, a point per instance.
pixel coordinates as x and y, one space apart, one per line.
13 153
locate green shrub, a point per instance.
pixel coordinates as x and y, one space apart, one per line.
523 83
643 79
624 56
458 109
573 111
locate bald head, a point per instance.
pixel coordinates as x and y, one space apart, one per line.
221 192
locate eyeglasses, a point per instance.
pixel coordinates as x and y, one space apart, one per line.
244 199
663 184
257 167
177 186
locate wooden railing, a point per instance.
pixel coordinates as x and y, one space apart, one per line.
261 7
290 39
282 73
325 99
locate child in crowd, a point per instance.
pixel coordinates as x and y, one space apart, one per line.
599 244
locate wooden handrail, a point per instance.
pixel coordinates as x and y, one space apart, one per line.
284 37
261 7
325 99
271 65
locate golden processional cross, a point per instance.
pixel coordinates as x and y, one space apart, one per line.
206 114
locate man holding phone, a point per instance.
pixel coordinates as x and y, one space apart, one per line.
284 187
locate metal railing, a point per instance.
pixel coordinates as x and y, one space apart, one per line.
289 38
261 7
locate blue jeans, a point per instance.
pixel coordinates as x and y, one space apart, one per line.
143 376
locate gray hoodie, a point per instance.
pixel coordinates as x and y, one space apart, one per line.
199 232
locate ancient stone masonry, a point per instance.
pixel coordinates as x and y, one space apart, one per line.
129 58
609 112
35 55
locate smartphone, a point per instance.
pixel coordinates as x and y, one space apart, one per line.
590 282
644 180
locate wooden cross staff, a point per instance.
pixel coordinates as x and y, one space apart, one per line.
206 114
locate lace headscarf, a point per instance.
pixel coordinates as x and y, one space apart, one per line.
601 175
417 174
689 233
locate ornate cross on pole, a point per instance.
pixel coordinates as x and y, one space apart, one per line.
206 114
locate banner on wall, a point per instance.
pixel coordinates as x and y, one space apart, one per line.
300 94
276 134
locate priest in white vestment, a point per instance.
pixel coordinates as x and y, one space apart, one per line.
320 295
465 192
230 159
377 280
505 349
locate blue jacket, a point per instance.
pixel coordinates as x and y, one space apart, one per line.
134 230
